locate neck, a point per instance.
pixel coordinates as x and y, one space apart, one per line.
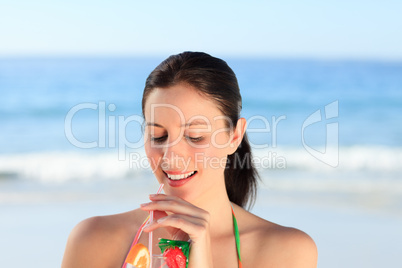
217 203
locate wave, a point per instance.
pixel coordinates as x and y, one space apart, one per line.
62 166
57 167
350 159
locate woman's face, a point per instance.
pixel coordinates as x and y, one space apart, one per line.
187 141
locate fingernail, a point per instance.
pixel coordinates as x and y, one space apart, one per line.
161 220
152 195
144 204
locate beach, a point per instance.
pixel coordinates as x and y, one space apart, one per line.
37 220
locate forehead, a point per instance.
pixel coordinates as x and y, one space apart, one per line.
178 103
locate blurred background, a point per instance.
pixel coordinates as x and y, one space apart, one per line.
321 80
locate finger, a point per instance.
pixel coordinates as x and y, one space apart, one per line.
160 222
160 197
159 214
175 206
190 225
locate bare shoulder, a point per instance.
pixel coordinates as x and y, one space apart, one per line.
101 241
293 247
272 245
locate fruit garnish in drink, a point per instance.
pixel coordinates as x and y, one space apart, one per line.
175 258
175 252
139 256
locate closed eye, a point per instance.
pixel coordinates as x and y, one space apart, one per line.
159 139
195 139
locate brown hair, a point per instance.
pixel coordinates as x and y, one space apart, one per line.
213 78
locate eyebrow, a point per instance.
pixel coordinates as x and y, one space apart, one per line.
192 123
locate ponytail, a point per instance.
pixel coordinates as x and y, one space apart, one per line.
241 176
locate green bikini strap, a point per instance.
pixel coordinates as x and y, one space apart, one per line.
237 236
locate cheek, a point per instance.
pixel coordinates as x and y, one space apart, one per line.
154 158
220 138
220 144
212 160
154 155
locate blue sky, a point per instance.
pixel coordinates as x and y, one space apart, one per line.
288 28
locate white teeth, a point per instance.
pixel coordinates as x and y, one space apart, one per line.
180 176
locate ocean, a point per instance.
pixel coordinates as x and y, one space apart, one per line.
326 135
39 124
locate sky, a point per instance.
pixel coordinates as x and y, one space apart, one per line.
337 29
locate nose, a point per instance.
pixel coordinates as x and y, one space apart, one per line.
175 154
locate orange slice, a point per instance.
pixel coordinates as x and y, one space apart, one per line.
139 256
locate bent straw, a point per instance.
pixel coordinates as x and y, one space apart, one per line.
137 236
151 219
146 222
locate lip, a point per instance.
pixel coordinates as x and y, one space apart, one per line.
178 183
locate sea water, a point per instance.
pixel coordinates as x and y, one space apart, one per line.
79 119
326 135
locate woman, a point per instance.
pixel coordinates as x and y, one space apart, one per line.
196 143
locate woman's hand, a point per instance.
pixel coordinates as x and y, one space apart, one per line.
183 220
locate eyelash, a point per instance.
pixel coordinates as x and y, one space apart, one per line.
198 139
158 139
163 139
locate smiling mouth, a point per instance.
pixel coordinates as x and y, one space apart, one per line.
177 177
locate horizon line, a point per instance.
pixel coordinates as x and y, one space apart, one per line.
55 56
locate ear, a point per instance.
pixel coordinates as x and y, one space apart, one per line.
237 135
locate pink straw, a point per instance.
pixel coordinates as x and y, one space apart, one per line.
140 230
137 236
151 219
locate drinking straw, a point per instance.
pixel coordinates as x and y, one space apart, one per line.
151 219
163 264
137 236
